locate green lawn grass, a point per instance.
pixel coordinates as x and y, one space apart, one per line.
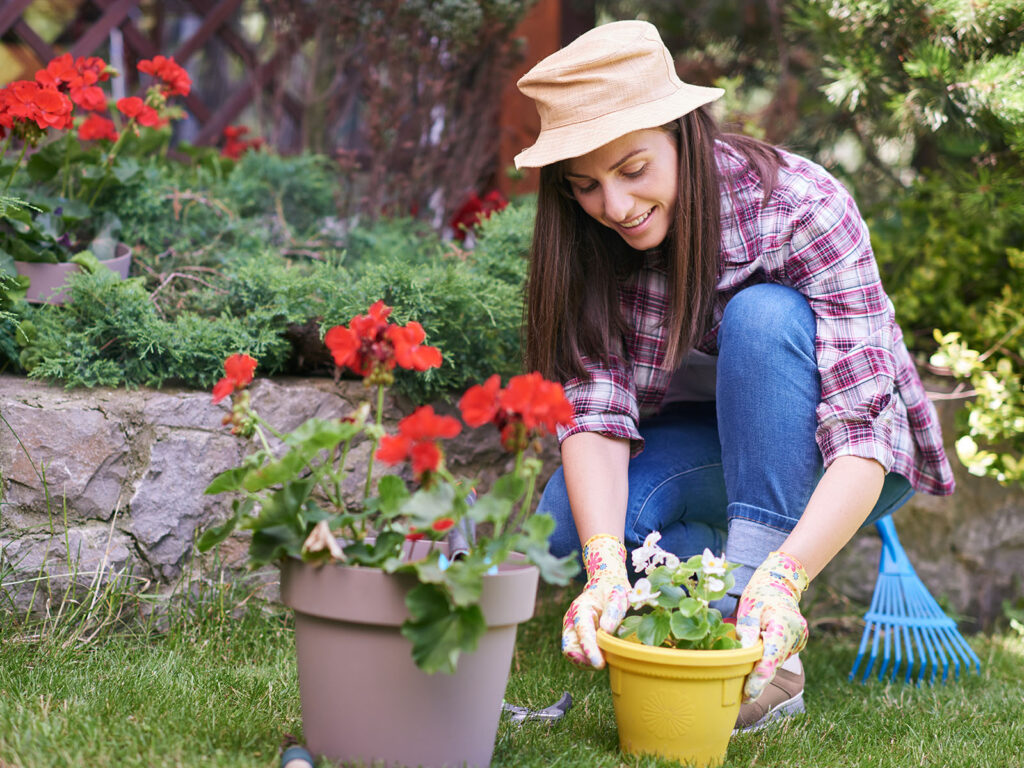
217 690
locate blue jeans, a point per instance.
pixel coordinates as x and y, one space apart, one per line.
735 474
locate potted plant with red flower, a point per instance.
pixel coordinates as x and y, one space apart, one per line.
423 573
62 148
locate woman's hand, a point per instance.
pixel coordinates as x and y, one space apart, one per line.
603 600
769 609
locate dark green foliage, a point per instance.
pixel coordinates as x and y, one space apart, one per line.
112 333
300 189
503 242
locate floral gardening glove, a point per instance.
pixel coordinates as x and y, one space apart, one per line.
769 609
603 598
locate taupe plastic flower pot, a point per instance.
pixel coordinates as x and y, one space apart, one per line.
47 281
363 698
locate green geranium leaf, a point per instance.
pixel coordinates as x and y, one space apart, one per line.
391 494
276 472
539 526
554 570
463 579
274 542
654 628
428 504
126 168
386 546
43 165
229 480
213 536
284 507
318 434
439 631
490 508
509 487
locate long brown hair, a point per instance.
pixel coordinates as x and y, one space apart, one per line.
576 264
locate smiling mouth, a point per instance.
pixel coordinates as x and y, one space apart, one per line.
634 223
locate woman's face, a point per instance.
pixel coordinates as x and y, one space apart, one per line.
630 185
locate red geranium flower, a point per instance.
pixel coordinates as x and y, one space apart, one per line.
417 438
529 405
176 80
28 102
138 110
89 97
410 352
475 210
479 405
234 145
370 342
97 127
239 370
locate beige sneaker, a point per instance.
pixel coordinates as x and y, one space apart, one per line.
782 697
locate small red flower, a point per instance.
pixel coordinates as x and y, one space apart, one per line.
136 109
475 210
442 524
97 127
410 352
239 370
417 438
234 145
370 342
176 80
89 97
479 405
529 405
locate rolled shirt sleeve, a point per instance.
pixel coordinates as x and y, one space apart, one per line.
830 261
606 404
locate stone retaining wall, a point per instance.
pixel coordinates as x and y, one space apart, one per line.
126 470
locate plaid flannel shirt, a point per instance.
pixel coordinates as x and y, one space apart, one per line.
810 236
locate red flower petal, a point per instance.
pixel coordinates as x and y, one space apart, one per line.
344 347
425 458
393 449
479 405
222 389
240 369
442 524
423 425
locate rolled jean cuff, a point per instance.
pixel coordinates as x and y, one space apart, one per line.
748 544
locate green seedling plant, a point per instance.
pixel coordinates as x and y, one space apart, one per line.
673 600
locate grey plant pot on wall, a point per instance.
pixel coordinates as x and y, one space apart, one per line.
363 697
48 281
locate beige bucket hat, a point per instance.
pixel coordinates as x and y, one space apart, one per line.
610 81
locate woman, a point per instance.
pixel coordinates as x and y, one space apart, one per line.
713 307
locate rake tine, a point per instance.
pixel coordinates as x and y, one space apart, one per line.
904 614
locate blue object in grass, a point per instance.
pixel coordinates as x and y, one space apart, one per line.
904 617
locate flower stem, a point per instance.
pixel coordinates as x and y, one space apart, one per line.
110 162
378 420
14 170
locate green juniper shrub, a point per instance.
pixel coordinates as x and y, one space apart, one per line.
300 188
503 242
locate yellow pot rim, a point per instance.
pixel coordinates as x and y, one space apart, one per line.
676 656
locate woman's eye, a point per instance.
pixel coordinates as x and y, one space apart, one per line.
584 188
634 173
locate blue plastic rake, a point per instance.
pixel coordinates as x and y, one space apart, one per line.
907 624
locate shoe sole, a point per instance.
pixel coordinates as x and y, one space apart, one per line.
788 708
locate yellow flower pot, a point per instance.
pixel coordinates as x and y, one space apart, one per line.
674 703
